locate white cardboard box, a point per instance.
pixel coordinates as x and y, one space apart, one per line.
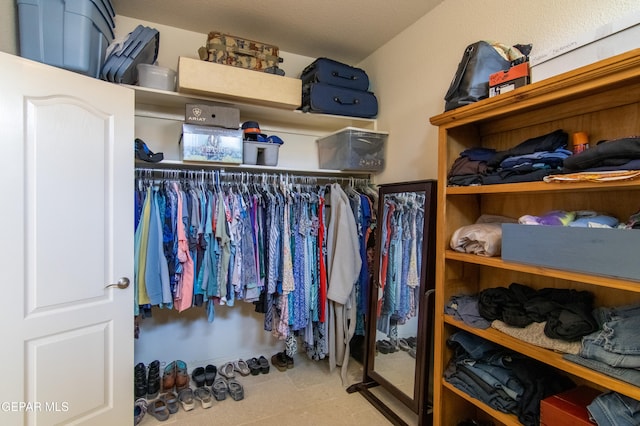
238 84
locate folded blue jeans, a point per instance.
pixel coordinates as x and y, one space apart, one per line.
629 375
616 343
613 409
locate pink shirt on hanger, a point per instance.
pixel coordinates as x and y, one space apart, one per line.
184 295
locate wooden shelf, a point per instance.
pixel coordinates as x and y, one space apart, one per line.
542 187
496 262
546 356
170 105
507 419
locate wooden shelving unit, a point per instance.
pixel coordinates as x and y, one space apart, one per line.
602 99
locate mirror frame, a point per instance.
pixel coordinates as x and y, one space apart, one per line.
418 402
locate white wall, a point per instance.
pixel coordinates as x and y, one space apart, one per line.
412 72
176 42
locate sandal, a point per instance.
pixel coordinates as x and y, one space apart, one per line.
219 389
236 390
159 409
169 377
403 344
254 366
411 341
226 371
186 398
383 346
204 396
264 365
210 372
139 409
289 360
241 367
182 376
171 399
279 361
282 361
198 375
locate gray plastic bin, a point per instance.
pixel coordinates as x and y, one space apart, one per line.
71 34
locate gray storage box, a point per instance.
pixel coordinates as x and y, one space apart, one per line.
260 153
598 251
211 115
352 149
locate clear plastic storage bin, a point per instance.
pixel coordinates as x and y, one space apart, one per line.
352 149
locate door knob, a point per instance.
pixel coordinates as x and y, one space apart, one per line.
122 283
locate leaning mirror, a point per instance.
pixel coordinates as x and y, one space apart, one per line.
401 294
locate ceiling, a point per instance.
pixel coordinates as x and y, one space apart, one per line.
344 30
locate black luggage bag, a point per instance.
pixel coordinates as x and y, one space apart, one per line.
328 71
328 99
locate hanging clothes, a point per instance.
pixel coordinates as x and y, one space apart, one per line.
343 267
210 242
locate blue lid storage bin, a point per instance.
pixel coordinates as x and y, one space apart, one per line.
70 34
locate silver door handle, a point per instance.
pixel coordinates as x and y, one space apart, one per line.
121 284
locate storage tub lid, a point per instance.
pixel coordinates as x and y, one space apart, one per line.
356 129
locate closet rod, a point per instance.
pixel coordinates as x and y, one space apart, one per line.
248 177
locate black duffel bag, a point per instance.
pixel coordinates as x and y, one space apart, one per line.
481 59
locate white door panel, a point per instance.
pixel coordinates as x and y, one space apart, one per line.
52 183
66 162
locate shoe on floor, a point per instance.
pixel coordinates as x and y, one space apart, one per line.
227 371
140 380
153 380
254 366
289 360
159 409
210 372
282 361
199 377
264 365
139 410
182 376
278 362
384 346
236 390
187 399
219 389
242 367
203 395
171 399
403 344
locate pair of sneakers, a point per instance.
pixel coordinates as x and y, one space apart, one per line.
282 361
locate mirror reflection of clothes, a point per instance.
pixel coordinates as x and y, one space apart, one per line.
399 279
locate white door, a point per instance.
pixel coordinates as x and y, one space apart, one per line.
66 168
